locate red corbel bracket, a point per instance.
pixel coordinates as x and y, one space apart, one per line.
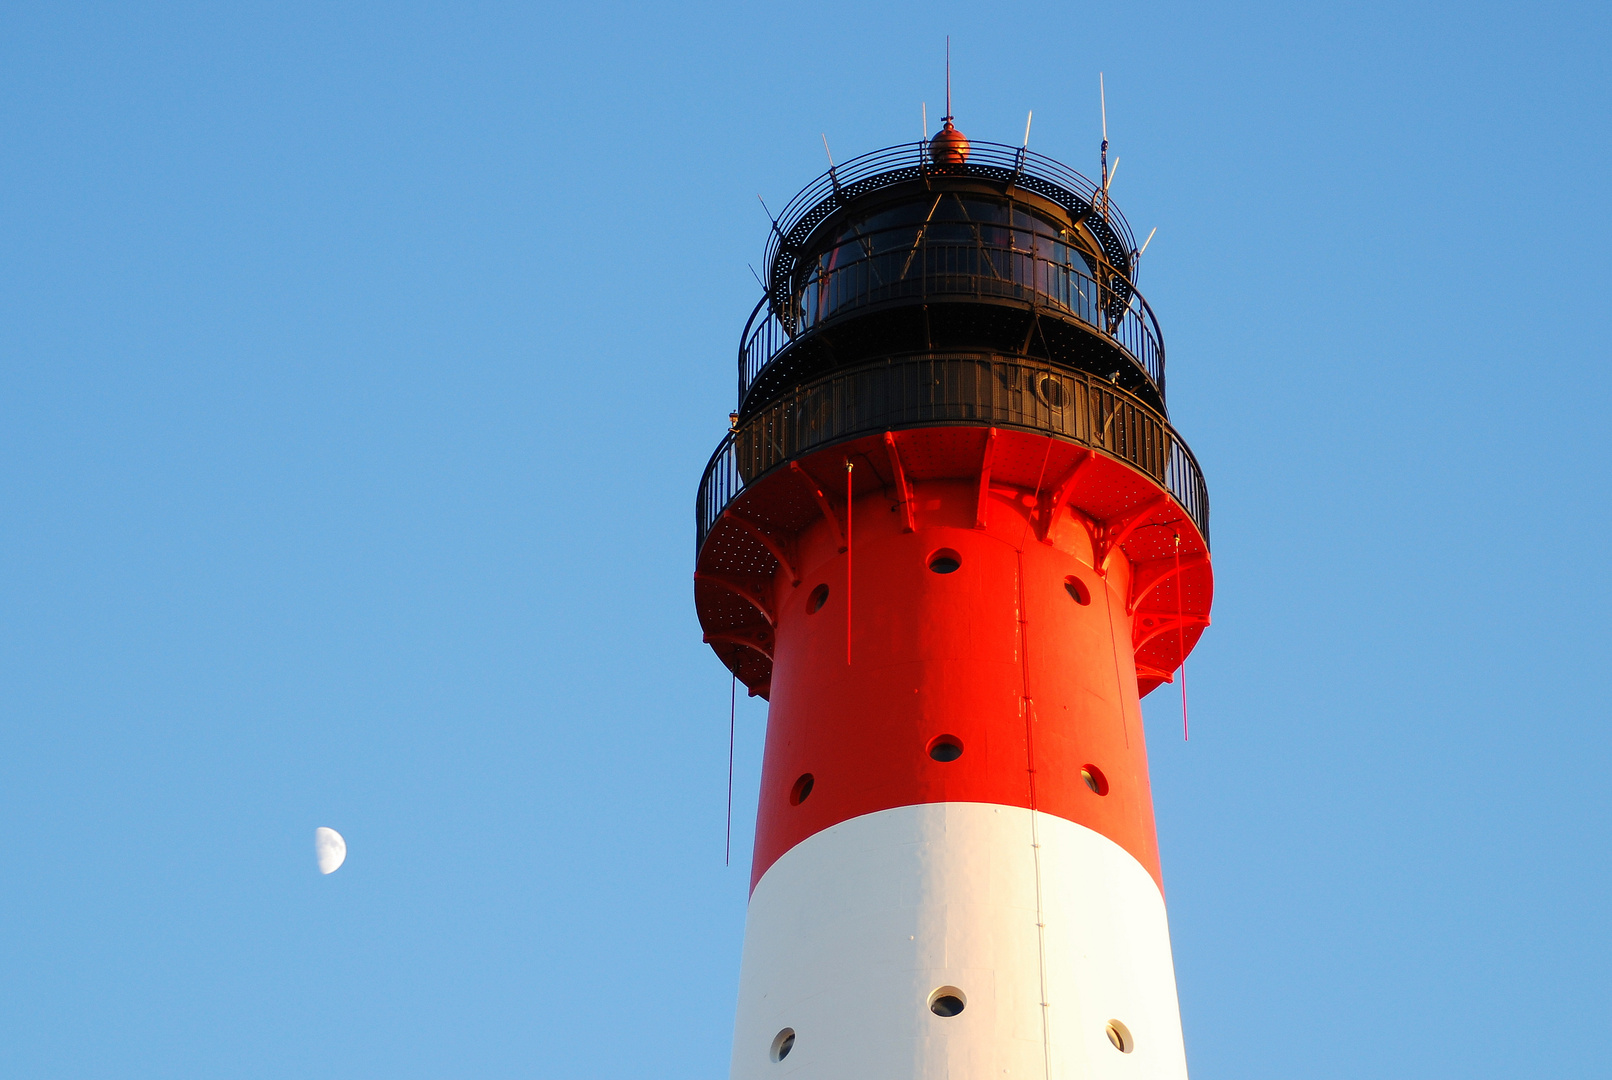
985 478
1115 533
1143 671
1049 509
1150 575
903 489
1162 624
747 641
743 591
822 502
778 550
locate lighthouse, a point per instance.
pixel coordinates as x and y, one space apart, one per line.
952 538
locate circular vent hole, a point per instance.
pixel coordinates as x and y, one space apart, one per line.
815 602
947 1001
1120 1036
1094 779
1077 589
783 1043
946 748
802 788
945 561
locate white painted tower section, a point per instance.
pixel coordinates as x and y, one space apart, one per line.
852 931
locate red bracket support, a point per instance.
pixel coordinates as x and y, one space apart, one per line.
822 502
1142 634
748 641
779 550
1150 575
743 591
903 489
1049 508
1143 671
985 478
1117 532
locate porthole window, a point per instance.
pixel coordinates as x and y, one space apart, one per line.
1094 778
947 1001
946 748
1050 390
815 602
945 561
1120 1036
782 1044
803 788
1077 590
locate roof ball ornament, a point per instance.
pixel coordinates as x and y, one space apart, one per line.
949 146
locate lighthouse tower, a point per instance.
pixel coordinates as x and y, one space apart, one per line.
952 538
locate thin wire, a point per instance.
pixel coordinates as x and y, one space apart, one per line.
1113 642
1181 633
849 513
1028 704
1035 828
1183 698
733 709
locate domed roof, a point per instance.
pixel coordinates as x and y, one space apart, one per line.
949 146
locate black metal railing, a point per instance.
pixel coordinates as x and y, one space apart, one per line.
956 272
1011 166
1183 478
910 392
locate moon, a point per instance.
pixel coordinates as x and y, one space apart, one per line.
329 848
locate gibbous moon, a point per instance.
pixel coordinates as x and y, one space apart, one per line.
330 849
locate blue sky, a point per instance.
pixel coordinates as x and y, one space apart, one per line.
357 368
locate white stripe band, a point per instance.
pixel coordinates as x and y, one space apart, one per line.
851 933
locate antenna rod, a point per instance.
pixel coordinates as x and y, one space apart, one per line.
1102 97
948 77
770 218
1111 173
926 121
1146 242
827 151
1028 117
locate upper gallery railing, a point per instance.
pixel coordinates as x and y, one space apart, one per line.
1011 166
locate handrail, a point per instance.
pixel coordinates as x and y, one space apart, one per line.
1012 165
925 391
769 329
953 270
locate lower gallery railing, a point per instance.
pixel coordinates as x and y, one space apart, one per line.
982 390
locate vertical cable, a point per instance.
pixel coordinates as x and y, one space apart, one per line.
1035 829
849 514
1181 632
1028 705
1113 642
733 709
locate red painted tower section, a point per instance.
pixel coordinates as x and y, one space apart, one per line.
953 539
